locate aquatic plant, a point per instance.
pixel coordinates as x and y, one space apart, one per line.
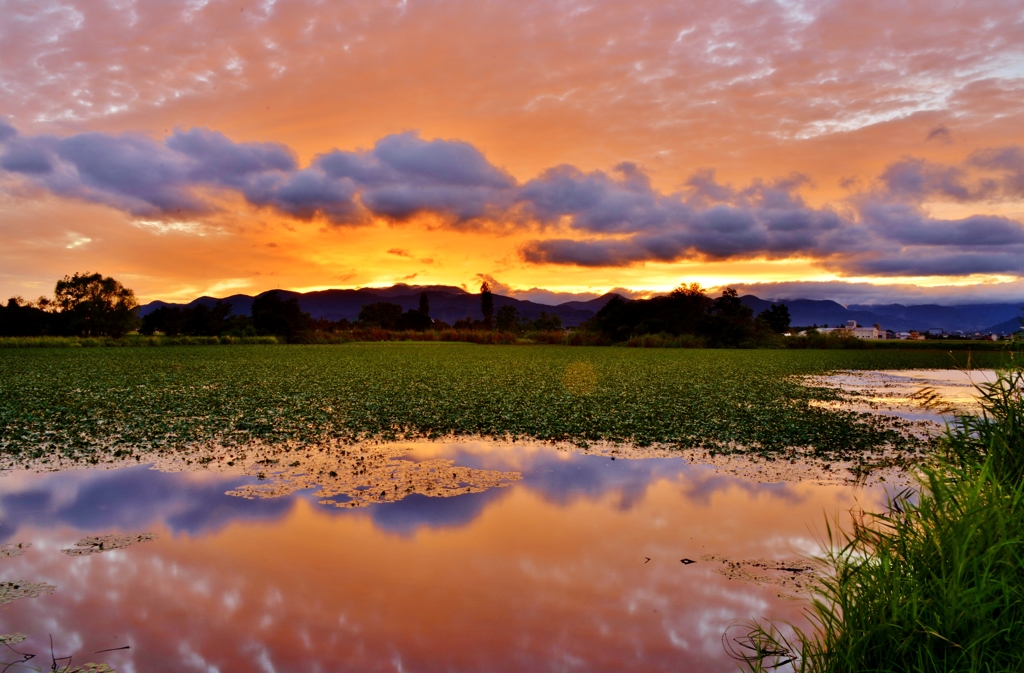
87 403
937 582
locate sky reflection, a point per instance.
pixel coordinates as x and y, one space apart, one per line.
546 574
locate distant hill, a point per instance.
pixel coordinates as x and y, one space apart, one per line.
1007 327
965 317
446 303
449 304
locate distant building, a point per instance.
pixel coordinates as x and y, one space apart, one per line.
873 332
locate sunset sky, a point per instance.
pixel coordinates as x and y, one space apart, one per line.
860 150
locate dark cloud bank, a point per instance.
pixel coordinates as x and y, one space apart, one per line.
611 218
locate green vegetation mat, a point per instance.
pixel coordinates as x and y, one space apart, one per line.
79 401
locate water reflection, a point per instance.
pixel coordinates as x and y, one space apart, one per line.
548 573
128 499
902 393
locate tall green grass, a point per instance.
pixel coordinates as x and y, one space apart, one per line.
937 582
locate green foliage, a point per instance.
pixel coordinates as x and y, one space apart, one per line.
937 582
79 400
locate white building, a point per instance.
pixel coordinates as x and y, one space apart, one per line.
873 332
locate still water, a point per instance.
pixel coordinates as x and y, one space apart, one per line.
547 572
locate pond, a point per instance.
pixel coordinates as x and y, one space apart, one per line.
929 397
528 557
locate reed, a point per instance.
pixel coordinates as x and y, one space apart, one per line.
937 582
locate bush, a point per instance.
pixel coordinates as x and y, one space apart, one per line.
663 340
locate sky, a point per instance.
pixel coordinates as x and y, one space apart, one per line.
864 151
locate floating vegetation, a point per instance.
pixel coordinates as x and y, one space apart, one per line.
792 578
101 543
14 548
12 638
367 474
71 406
12 591
580 378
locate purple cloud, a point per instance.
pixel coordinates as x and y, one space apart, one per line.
614 218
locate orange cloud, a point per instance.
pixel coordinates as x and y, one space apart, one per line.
834 91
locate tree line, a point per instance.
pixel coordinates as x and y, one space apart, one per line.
389 316
90 304
85 304
720 322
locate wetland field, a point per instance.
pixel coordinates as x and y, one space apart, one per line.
435 506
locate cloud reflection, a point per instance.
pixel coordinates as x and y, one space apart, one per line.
137 497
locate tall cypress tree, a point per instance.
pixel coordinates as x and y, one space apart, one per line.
487 304
424 305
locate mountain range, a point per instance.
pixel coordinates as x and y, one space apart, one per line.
449 304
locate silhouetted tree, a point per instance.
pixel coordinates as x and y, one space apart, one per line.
274 316
424 304
547 323
198 320
380 314
508 319
91 305
777 317
724 321
687 310
22 318
487 305
732 321
166 320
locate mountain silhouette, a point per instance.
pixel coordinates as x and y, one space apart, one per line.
450 303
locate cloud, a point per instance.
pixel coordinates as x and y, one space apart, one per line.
587 219
404 176
548 297
401 177
1007 160
6 131
218 160
940 133
846 292
917 179
625 222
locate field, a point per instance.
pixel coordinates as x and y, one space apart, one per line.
82 401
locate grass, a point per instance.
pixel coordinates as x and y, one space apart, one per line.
551 338
81 401
936 583
132 341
